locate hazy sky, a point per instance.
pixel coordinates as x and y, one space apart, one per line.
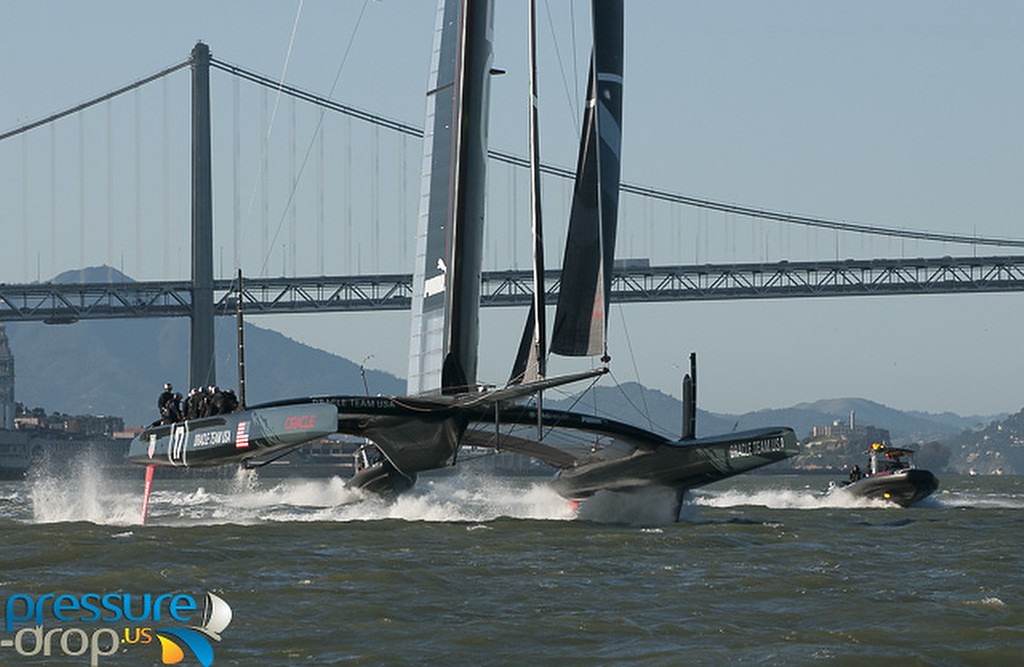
905 114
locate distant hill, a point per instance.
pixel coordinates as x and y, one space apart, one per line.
904 427
633 403
118 367
92 274
997 448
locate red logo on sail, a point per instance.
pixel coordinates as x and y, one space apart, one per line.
242 435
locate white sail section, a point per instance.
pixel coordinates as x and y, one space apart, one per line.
426 343
449 245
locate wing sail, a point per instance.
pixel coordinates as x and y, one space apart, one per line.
449 244
581 316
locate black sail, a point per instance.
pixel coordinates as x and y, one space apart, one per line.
582 313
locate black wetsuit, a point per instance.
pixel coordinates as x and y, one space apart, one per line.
166 405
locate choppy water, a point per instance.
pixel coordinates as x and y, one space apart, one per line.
472 571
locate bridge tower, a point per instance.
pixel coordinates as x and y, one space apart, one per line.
202 362
6 383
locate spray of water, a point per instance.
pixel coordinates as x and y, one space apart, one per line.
88 493
779 498
79 490
652 506
450 499
84 491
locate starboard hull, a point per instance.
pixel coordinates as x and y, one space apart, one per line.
680 465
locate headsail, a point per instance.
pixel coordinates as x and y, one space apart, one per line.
581 317
449 245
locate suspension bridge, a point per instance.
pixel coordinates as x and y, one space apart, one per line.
343 240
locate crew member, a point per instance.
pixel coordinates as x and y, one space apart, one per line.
165 404
175 407
222 401
193 404
211 402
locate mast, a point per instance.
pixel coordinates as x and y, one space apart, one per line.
531 359
539 324
202 362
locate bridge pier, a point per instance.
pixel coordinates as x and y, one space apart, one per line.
202 360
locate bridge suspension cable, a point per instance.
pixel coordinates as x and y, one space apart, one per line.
639 190
561 172
318 100
93 102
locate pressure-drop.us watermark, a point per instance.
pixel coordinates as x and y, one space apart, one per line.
96 626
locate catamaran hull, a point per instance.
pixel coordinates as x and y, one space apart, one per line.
233 438
382 479
414 434
681 465
904 487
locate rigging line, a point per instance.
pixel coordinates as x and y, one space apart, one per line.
316 132
657 428
636 371
579 397
573 111
575 65
94 101
494 437
270 129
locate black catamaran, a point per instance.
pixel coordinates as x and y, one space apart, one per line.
445 408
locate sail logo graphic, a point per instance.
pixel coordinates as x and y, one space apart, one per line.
216 616
38 625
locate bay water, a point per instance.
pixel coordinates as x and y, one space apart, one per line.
476 570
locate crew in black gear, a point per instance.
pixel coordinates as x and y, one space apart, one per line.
168 404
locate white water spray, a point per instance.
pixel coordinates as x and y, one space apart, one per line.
80 490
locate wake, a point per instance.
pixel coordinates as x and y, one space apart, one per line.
452 499
88 494
810 499
774 498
